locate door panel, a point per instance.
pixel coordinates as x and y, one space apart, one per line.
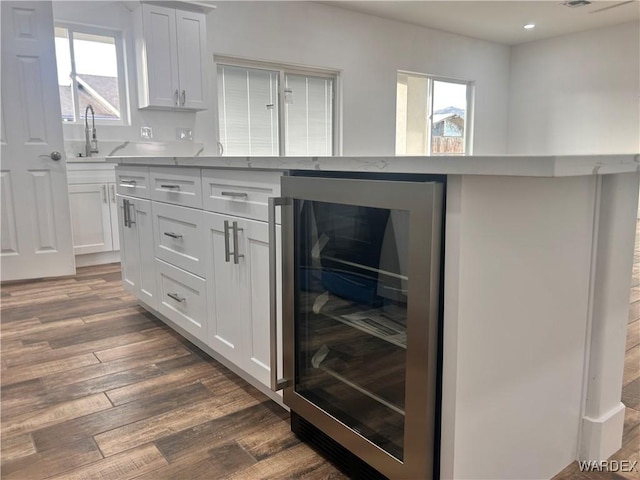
256 264
9 238
225 285
191 47
160 35
129 250
40 243
90 218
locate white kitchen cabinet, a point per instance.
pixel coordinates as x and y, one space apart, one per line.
237 261
136 240
94 218
171 58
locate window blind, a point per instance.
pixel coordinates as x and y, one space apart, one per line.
248 111
308 119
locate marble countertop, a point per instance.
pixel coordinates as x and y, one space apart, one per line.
508 165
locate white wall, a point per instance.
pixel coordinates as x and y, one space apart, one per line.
576 93
368 51
115 16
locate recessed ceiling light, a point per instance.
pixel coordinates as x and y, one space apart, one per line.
529 26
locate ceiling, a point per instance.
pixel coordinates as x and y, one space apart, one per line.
501 21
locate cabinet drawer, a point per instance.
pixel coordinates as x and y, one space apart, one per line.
240 193
133 181
182 299
179 236
181 186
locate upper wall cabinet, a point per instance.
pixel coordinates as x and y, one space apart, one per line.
171 58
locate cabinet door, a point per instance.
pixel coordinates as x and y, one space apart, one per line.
225 290
137 257
90 218
192 66
143 218
113 210
254 245
159 29
129 248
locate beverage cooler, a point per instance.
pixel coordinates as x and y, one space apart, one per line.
361 262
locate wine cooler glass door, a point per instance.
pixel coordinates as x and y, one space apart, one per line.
360 315
351 322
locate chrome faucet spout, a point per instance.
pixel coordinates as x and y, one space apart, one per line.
90 135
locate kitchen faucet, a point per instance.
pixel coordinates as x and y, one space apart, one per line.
90 137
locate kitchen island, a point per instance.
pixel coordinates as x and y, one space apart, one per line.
537 267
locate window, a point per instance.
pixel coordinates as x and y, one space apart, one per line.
275 111
433 115
90 72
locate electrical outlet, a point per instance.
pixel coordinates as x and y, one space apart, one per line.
184 134
146 133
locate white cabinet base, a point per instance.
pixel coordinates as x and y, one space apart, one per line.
101 258
275 396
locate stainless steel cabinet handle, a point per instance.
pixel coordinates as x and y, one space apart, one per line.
236 255
113 193
184 97
104 194
129 205
125 212
227 253
235 194
172 187
276 383
128 183
173 235
176 98
176 297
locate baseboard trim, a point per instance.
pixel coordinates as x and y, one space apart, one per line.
101 258
602 437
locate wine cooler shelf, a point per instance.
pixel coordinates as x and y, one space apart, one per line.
387 323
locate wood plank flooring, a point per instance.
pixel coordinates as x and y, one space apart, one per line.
92 386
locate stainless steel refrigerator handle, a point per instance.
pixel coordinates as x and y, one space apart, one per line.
227 253
276 383
236 255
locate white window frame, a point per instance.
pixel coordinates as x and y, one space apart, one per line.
468 121
282 70
123 91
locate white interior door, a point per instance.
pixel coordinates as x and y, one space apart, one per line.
36 229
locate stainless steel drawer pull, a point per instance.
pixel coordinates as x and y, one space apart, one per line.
235 194
173 235
128 183
172 187
176 297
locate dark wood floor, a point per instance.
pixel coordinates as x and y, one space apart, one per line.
95 387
